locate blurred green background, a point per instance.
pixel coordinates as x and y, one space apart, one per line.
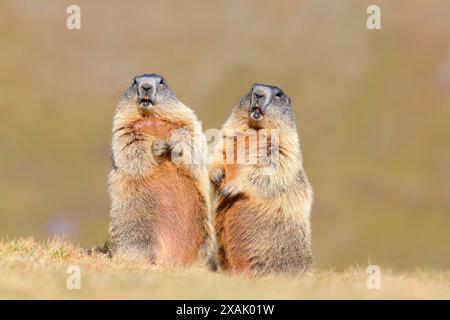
373 110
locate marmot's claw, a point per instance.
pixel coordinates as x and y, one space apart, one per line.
230 190
159 148
216 176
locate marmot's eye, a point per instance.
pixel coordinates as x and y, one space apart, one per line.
162 82
279 94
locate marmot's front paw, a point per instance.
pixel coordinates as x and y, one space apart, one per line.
159 148
176 148
231 189
176 151
216 175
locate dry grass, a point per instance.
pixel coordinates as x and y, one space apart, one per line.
32 270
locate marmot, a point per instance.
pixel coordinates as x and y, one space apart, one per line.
160 208
262 218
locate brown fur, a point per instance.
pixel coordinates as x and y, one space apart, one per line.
262 223
160 210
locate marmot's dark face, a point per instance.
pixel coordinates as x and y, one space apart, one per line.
148 91
266 106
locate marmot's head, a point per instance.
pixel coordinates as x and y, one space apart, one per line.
266 106
149 93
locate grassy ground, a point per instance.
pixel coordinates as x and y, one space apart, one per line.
32 270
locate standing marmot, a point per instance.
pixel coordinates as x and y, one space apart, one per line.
159 207
262 209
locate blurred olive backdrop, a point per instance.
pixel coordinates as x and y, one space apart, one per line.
373 110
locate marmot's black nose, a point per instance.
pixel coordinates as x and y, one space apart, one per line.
258 95
147 87
261 96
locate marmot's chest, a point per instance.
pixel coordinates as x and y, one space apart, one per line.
247 148
156 127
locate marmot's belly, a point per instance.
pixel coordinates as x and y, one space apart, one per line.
257 239
179 216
